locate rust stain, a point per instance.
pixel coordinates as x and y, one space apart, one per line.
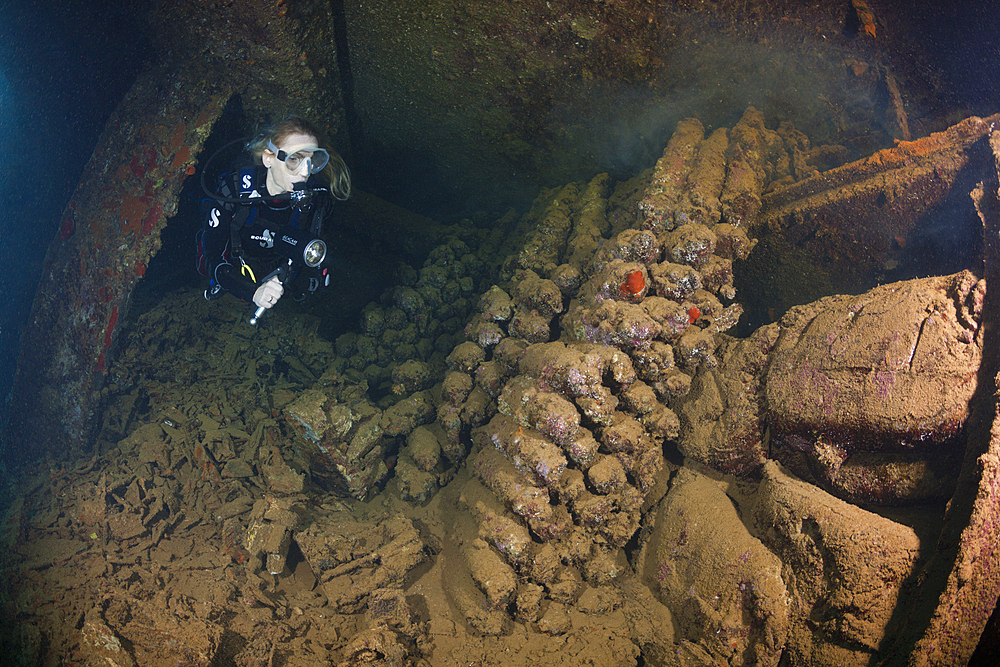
180 158
153 216
134 208
177 138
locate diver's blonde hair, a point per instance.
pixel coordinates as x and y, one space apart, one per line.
335 172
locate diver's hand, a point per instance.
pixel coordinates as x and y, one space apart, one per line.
268 294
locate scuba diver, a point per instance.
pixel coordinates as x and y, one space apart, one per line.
264 230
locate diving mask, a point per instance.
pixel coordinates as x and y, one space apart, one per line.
317 157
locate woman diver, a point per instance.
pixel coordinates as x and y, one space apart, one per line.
264 216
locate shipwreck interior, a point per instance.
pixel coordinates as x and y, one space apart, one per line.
656 333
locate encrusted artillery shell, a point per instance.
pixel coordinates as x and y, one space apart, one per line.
510 485
510 538
449 417
456 387
466 357
691 245
496 304
477 409
656 210
527 449
614 516
423 447
583 448
599 408
625 434
606 475
530 326
704 183
750 148
639 398
674 281
550 413
590 224
493 576
662 422
508 352
561 369
545 242
490 376
646 468
534 293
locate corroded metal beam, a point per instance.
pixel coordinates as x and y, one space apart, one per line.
109 231
835 232
875 199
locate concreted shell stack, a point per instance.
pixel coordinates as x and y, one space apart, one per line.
376 396
561 393
413 320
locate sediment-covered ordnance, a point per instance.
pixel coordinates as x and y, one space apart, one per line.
591 352
760 569
576 446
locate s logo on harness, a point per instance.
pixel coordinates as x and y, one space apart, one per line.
247 181
213 218
265 238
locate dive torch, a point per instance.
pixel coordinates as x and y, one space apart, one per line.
299 247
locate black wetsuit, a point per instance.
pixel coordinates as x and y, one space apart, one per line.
238 234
